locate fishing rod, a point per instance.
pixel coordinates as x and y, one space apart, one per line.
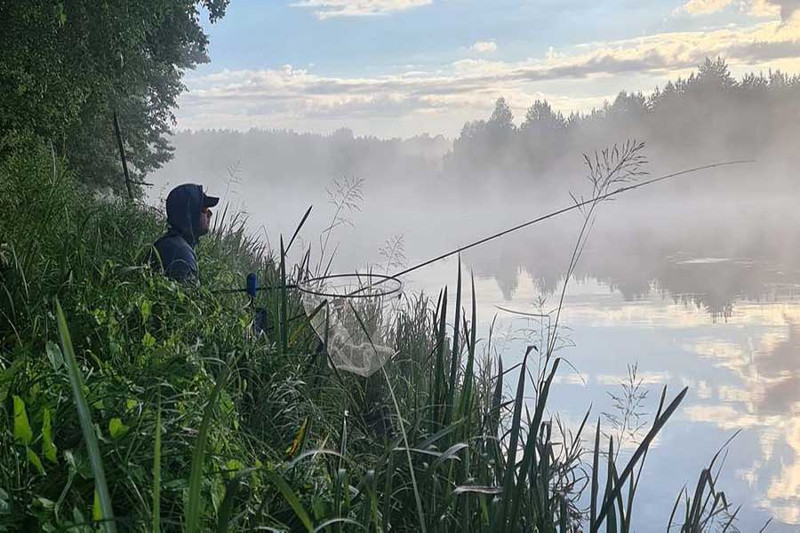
252 282
576 205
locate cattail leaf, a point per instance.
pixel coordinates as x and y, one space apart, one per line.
34 460
22 428
49 449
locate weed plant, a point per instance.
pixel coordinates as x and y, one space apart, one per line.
130 402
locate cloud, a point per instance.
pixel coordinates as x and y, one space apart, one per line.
300 98
760 8
704 7
484 47
325 9
787 8
647 378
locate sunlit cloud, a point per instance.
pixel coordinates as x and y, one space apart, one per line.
760 8
704 7
484 47
785 8
325 9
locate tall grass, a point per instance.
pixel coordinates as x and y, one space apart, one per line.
217 426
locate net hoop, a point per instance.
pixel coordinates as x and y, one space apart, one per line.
390 286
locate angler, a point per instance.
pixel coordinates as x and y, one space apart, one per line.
189 218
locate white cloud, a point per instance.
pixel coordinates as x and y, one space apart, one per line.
647 378
298 98
759 8
484 47
324 9
704 7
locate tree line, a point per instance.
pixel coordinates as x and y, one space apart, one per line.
707 116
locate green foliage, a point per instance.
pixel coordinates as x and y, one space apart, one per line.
22 429
67 67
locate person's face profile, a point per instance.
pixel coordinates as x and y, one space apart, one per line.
205 220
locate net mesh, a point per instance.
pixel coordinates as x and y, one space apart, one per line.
352 316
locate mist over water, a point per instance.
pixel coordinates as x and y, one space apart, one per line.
695 280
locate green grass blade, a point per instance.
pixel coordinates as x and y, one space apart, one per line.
674 509
194 504
226 509
439 384
448 454
466 397
455 360
291 498
497 399
608 495
438 435
284 315
533 430
511 461
334 521
157 470
85 417
298 228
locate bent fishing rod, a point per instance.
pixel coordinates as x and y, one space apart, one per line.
252 284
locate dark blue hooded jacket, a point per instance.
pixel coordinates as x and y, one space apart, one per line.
176 248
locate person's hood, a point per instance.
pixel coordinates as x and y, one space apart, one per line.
184 204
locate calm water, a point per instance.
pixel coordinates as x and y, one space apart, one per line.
707 301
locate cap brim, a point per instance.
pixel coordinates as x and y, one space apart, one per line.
210 201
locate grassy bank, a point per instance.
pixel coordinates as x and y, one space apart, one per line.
171 414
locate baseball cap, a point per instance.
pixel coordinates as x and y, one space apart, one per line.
210 201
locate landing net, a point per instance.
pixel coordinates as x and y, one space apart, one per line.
353 314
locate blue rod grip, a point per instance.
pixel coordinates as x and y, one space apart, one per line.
252 284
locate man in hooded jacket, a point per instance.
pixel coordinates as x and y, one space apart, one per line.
189 217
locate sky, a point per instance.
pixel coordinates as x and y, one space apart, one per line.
399 68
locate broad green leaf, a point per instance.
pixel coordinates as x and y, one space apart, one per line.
232 466
44 503
62 15
49 448
148 341
145 307
130 404
34 460
22 429
54 355
116 428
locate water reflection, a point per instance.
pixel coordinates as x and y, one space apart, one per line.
726 325
767 403
699 260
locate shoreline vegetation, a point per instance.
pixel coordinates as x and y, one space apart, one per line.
130 402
